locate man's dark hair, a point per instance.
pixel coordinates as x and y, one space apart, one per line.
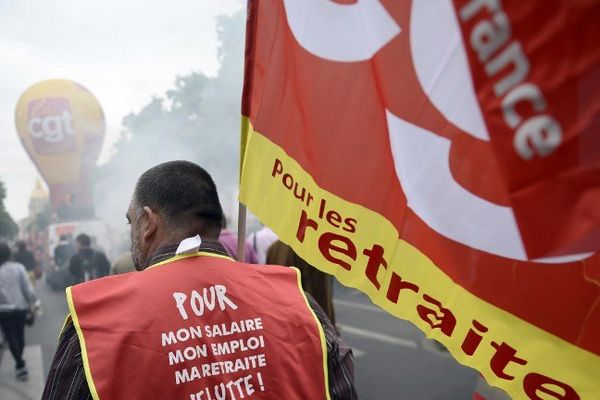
184 194
4 252
21 245
83 240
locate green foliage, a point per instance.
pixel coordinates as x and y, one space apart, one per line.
8 227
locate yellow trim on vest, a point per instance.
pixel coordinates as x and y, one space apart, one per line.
75 319
84 355
184 256
321 333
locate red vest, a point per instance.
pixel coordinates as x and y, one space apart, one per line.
200 327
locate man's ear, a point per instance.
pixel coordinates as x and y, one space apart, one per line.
150 226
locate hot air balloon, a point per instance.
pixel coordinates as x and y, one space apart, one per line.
61 126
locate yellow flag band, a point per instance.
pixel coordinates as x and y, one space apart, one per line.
358 246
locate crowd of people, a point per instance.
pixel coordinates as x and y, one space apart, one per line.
85 261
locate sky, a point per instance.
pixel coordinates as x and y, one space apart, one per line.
124 52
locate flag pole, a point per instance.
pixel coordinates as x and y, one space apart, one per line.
241 244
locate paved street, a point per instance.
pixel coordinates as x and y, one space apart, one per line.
10 388
393 359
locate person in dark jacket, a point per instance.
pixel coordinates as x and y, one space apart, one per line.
63 251
87 263
24 256
27 259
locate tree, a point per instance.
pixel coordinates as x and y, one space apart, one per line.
197 120
8 227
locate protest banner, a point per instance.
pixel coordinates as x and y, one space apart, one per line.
441 157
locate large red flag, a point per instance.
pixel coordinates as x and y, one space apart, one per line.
442 157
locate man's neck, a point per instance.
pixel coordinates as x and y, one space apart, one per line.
168 248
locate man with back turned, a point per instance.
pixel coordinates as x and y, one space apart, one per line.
194 324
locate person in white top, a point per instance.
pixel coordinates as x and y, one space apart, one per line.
261 240
16 297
